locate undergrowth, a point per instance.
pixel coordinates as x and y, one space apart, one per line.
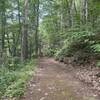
13 82
82 46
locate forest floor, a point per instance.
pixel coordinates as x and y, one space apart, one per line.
56 81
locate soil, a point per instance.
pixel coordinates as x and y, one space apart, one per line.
56 81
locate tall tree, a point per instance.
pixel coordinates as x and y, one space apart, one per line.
36 26
3 26
24 47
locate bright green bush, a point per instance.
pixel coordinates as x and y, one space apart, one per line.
80 45
49 51
13 82
96 47
16 89
60 54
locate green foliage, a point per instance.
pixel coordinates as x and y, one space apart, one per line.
49 51
96 48
60 54
79 45
12 63
69 30
16 90
98 64
13 83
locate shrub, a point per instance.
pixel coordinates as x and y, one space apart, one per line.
80 45
16 89
13 82
49 51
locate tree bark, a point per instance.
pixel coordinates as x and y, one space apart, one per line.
84 12
24 46
3 25
37 25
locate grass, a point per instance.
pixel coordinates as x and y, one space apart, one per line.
13 83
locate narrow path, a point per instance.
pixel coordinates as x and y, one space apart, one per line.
53 82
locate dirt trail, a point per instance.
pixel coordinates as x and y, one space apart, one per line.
53 82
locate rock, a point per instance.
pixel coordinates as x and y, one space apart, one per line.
42 98
61 59
67 60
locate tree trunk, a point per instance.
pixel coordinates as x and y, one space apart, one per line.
37 25
84 12
3 25
24 46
